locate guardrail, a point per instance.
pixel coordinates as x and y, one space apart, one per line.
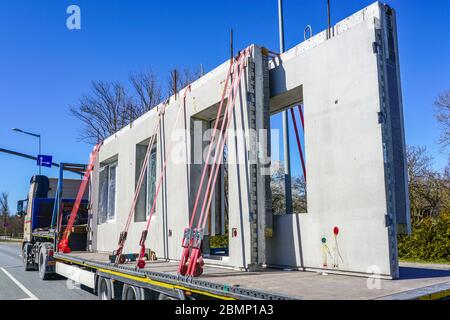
11 237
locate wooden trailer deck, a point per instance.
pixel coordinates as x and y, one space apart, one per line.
416 281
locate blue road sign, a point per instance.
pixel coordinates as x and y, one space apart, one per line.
44 161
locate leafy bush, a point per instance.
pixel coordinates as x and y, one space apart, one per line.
219 241
430 240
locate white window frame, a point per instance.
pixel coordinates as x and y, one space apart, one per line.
110 217
148 196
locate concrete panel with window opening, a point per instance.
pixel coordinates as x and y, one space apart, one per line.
354 143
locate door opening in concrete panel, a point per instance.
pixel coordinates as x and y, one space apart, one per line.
218 215
147 192
216 239
297 161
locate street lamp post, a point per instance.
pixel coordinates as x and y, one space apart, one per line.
33 135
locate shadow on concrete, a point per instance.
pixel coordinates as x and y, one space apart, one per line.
407 273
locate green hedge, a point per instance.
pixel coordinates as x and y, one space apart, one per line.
219 241
430 240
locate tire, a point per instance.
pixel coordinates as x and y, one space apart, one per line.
26 251
133 293
162 296
42 264
104 289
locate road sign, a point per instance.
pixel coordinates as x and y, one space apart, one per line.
44 161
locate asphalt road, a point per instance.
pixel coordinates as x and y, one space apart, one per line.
18 284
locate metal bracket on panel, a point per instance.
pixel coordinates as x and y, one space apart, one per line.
376 47
388 220
381 117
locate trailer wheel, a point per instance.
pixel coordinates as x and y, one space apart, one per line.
163 296
104 289
133 293
26 251
42 263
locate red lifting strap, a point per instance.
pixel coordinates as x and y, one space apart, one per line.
299 107
123 234
141 259
195 264
63 245
185 253
299 145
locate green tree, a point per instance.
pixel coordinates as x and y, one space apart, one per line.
430 209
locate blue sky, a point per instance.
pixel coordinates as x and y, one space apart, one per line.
44 67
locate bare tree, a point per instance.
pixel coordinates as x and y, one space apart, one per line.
443 116
279 194
148 90
183 78
429 190
109 106
4 209
104 111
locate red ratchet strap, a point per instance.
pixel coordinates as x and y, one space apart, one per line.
123 235
299 145
187 232
195 264
141 260
300 111
63 245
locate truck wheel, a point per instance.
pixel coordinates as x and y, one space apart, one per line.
26 251
42 264
162 296
133 293
104 289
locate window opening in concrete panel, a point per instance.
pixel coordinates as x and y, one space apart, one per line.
298 167
147 192
107 191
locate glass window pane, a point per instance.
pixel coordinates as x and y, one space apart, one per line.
103 195
141 204
151 180
112 192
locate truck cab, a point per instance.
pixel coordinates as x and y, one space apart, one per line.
46 211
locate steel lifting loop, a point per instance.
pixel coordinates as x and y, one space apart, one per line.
308 28
162 110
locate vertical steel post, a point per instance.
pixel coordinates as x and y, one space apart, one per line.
286 147
40 153
329 19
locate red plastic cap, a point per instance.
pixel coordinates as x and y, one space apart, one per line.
141 264
336 231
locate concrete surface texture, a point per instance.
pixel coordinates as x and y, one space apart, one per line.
340 82
355 180
177 195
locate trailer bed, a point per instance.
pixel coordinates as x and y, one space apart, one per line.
416 281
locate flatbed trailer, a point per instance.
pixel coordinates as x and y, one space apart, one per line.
159 280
